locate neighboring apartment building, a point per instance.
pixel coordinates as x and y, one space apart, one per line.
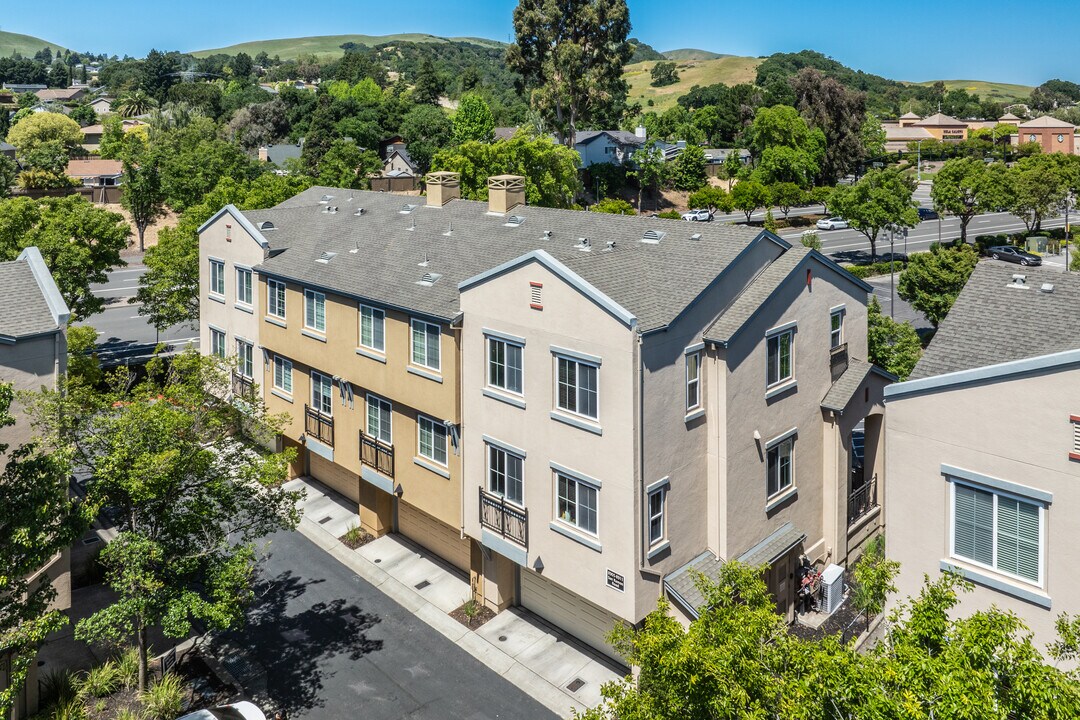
573 407
983 448
1051 134
33 354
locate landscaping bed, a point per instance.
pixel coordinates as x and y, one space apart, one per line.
472 614
356 537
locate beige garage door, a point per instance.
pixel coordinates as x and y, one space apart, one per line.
587 622
436 536
335 477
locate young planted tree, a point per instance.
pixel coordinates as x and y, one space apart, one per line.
880 199
932 281
688 169
711 198
892 346
1037 189
650 171
966 187
143 196
874 575
787 195
748 196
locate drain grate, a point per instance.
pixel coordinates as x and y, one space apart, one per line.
502 638
325 520
575 685
421 585
378 560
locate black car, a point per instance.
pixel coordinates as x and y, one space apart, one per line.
1013 254
927 214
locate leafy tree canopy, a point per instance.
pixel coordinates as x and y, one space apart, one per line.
932 281
892 346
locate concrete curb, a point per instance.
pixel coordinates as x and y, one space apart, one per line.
528 681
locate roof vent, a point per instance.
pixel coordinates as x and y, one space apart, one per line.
514 220
449 229
428 279
653 237
359 212
610 246
1047 288
356 247
584 244
325 199
326 257
695 236
266 225
547 234
1019 281
407 208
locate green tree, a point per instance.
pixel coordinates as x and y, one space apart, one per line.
650 170
112 138
84 115
821 195
770 221
242 66
79 242
143 196
810 239
839 113
872 137
473 120
571 56
688 169
874 575
711 198
83 366
1037 189
787 195
748 196
788 150
8 172
966 187
613 206
426 129
346 165
192 493
880 198
427 87
893 346
664 73
39 520
35 130
193 160
134 103
933 280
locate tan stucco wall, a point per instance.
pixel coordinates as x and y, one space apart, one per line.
30 364
572 321
1016 430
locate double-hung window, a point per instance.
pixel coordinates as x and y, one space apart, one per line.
245 359
656 515
283 374
504 365
372 328
693 380
322 393
432 441
577 387
836 328
315 311
243 286
506 474
217 277
778 356
275 298
780 466
997 531
425 344
576 503
217 343
379 423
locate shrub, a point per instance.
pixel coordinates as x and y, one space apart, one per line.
127 667
811 240
101 681
165 698
613 206
873 269
669 215
128 714
57 688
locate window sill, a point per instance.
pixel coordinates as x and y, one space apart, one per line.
430 465
1000 584
313 335
657 549
508 399
244 308
278 393
274 321
780 388
371 355
567 532
694 415
783 497
217 298
425 374
574 422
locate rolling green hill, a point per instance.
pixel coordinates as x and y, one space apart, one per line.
26 45
291 48
730 70
692 54
998 92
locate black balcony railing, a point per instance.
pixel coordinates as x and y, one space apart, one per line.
862 500
377 454
509 521
838 361
243 387
319 426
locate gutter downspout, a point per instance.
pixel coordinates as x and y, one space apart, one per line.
456 325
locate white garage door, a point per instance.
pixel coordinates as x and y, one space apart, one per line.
584 620
335 477
436 536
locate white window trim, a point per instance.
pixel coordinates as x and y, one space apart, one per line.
286 364
360 328
580 360
311 394
558 470
791 487
271 284
214 331
251 284
413 322
220 263
489 338
492 444
446 438
789 330
840 311
372 398
310 294
661 490
240 360
953 483
689 353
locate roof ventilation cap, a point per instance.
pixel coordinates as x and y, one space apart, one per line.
514 220
429 279
584 244
695 236
407 208
653 237
325 199
1018 281
359 212
610 246
266 225
449 229
326 257
1047 288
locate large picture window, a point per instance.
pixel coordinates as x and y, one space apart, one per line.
997 531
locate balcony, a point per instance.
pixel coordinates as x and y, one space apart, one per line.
377 454
838 361
319 426
507 520
243 387
861 501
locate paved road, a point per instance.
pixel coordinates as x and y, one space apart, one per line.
123 334
333 646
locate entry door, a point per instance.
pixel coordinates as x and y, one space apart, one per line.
781 584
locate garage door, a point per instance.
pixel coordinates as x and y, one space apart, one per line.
335 477
587 622
436 536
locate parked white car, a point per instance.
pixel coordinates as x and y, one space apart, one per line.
833 223
242 710
697 216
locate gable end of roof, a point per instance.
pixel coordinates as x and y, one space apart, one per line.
239 217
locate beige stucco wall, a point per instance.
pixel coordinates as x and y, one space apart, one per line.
572 321
1015 429
30 364
747 521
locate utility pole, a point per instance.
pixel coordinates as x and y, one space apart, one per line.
892 275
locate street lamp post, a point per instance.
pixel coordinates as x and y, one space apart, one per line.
1068 202
892 275
918 169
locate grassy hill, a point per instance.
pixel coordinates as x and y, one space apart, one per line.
730 70
691 54
290 48
999 92
27 45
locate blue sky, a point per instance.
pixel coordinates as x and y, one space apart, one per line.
912 40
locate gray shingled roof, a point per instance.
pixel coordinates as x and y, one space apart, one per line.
654 282
992 323
772 547
680 584
623 137
23 309
763 286
846 385
278 154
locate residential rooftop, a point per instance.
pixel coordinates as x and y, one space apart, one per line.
30 303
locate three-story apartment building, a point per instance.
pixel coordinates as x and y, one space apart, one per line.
577 408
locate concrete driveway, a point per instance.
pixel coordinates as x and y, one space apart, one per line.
320 642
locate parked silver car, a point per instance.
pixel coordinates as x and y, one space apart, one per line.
833 223
697 216
242 710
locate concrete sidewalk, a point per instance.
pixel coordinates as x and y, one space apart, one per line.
539 659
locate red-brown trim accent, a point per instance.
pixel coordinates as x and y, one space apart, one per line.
1074 418
1074 456
536 306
